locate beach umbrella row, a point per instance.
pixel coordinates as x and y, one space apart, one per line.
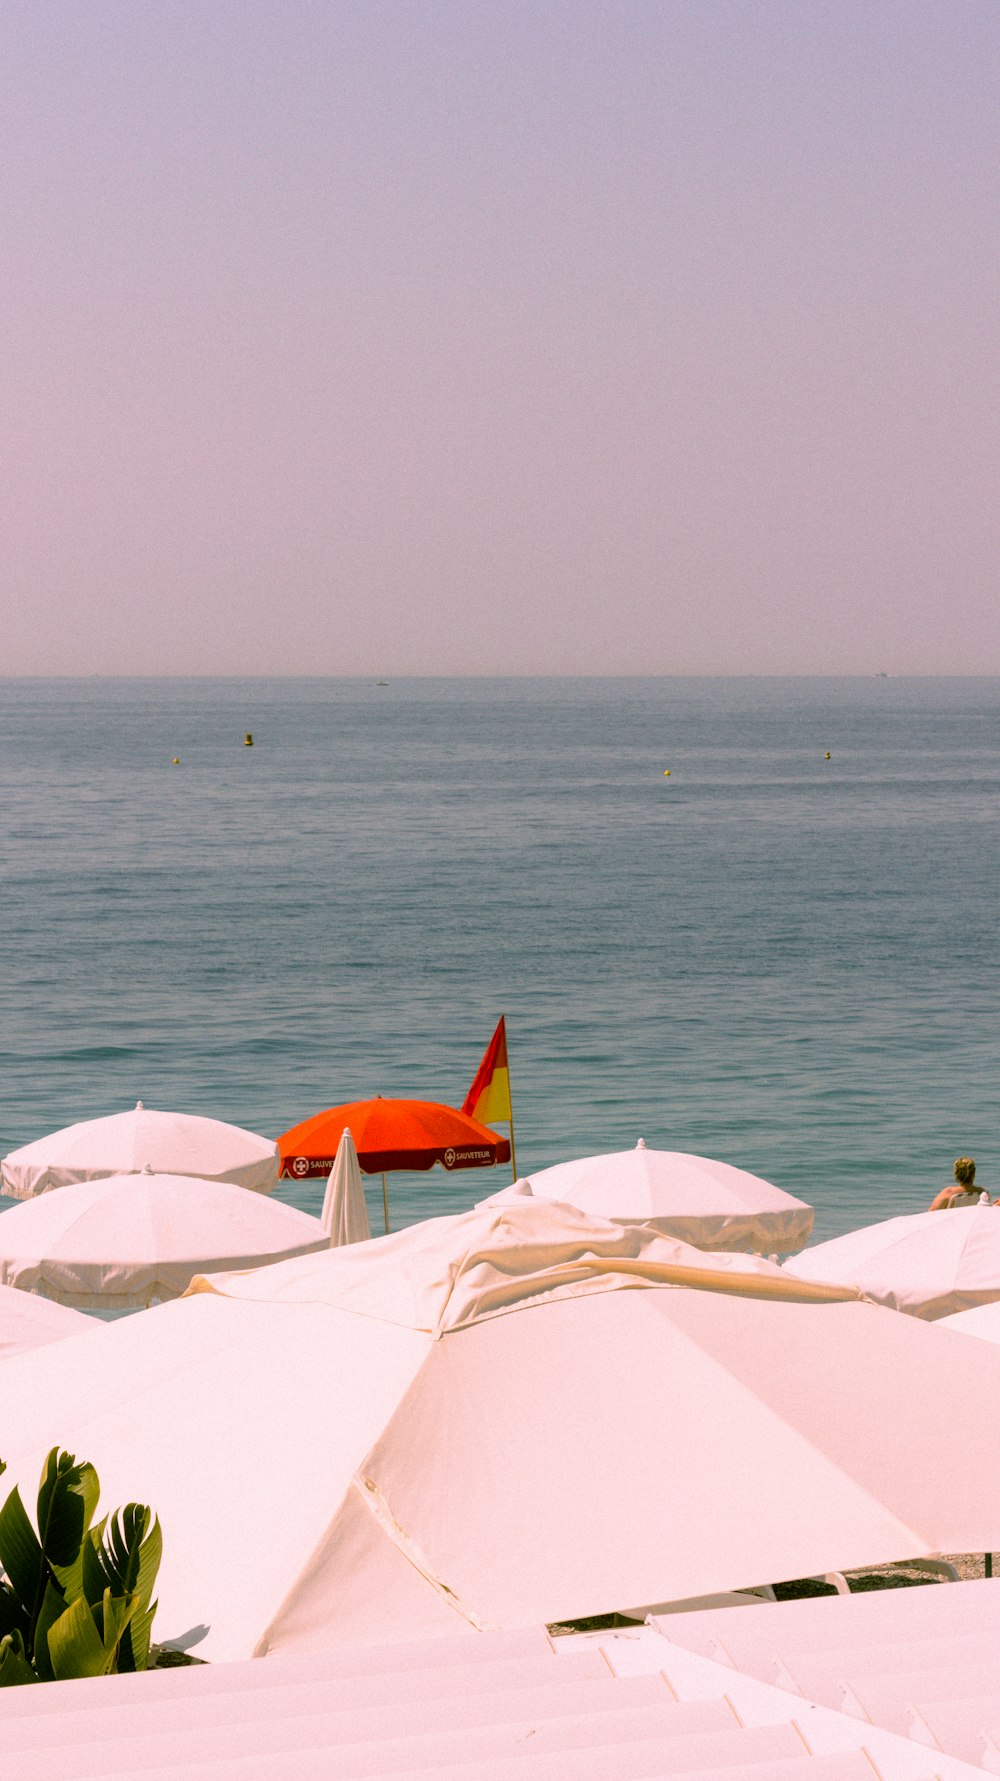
708 1203
520 1414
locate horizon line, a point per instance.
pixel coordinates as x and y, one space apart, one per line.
381 680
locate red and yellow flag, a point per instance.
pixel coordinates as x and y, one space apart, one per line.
489 1097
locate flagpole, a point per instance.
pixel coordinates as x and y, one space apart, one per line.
513 1154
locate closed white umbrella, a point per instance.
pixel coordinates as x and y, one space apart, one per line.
124 1143
345 1216
507 1418
927 1263
710 1204
123 1241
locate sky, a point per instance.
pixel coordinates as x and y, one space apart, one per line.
499 336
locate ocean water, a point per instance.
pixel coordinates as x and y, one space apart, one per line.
784 961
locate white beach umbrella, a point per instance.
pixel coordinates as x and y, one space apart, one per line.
709 1204
927 1263
125 1143
982 1321
505 1418
28 1321
125 1240
345 1216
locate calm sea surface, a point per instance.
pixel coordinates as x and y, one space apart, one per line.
787 962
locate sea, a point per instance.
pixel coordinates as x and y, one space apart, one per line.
755 919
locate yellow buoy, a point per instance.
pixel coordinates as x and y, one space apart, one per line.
176 761
666 772
826 757
248 740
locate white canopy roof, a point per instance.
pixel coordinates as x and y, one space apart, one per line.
125 1143
122 1241
709 1204
926 1263
506 1418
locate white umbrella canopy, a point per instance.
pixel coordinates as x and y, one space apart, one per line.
27 1321
982 1321
709 1204
123 1241
929 1264
125 1143
509 1417
345 1215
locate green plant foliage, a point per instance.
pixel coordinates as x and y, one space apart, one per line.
75 1600
14 1665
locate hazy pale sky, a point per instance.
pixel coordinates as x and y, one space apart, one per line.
492 336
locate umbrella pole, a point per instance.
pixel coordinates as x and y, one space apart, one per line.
385 1202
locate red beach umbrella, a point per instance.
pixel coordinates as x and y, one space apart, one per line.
388 1135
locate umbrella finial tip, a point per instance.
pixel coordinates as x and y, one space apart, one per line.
139 1107
147 1169
641 1144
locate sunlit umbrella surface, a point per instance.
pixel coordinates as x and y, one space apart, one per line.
710 1204
123 1241
927 1263
982 1321
29 1321
144 1137
506 1418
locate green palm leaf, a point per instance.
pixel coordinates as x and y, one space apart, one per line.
21 1555
14 1666
82 1644
67 1498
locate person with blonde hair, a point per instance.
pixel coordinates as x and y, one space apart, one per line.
962 1191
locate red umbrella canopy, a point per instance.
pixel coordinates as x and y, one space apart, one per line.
389 1135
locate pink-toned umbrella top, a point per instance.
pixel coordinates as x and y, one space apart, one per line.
982 1321
122 1241
28 1321
142 1138
929 1264
512 1417
710 1204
